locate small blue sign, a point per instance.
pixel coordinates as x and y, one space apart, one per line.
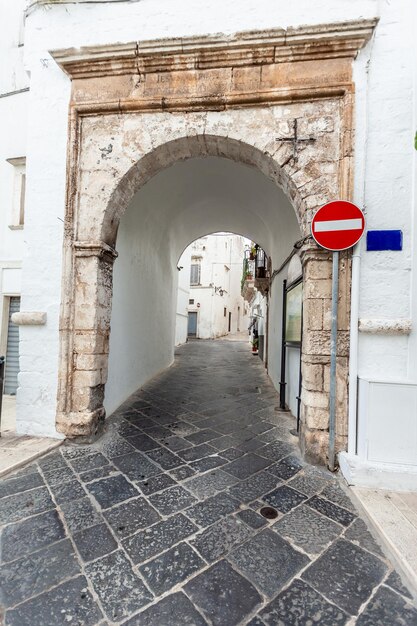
384 240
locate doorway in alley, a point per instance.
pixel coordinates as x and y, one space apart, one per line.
192 324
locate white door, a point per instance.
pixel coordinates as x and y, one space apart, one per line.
192 324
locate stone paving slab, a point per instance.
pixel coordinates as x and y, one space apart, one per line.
346 575
301 604
70 602
269 561
223 595
158 523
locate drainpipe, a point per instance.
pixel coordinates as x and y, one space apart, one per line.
355 287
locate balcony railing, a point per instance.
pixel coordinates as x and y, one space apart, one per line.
255 272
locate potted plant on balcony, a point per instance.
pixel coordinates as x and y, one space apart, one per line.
255 343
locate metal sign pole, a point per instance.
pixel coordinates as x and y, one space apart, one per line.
333 354
337 225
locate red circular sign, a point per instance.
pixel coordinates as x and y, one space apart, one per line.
338 225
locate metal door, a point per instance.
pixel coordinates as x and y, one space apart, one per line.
12 351
192 324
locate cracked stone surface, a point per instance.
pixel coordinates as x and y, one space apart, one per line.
158 523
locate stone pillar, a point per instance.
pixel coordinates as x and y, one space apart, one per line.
315 358
83 414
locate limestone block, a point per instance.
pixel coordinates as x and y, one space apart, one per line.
342 373
315 359
314 445
29 318
317 125
321 185
301 177
81 399
83 378
91 361
318 288
317 342
343 343
91 342
316 418
314 256
312 376
315 399
327 315
342 378
316 201
83 425
313 314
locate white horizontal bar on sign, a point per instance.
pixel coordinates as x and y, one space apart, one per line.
355 224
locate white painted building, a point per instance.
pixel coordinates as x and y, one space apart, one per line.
198 195
215 305
14 98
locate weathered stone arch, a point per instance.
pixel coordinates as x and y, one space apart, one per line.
137 109
268 158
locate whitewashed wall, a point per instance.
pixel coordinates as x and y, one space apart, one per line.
384 183
13 111
144 285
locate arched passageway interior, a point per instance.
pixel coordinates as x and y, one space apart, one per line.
189 199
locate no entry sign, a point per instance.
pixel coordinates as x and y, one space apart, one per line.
338 225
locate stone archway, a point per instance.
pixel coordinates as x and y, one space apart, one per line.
137 109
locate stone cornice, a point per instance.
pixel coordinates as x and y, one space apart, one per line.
402 326
94 248
324 41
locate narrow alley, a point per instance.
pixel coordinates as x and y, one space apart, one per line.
159 523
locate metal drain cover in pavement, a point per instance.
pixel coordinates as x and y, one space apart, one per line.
269 512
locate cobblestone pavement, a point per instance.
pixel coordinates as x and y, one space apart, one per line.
158 523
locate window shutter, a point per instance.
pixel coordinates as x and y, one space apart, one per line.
195 274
